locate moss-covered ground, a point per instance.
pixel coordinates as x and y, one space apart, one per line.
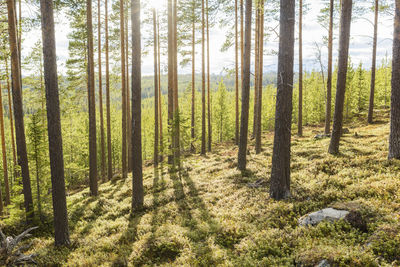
207 214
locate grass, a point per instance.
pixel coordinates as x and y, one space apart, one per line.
208 215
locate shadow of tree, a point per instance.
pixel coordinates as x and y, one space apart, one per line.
188 202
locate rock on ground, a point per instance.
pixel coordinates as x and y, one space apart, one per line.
328 214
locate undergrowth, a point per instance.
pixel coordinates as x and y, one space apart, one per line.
207 215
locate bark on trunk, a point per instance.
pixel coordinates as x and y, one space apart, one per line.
137 172
345 23
373 68
328 110
260 83
193 135
208 84
92 106
11 125
109 150
170 81
61 232
280 173
18 112
159 90
300 118
244 122
256 67
123 88
155 90
203 83
236 76
102 143
4 152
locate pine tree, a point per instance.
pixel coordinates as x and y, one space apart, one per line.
92 105
124 89
156 143
345 23
102 143
373 68
18 111
280 173
137 172
394 137
4 152
244 121
109 152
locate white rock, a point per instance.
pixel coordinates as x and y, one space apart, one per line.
328 214
324 263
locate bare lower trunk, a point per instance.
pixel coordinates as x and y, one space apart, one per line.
300 119
123 88
345 23
11 125
192 148
102 143
208 84
394 137
260 83
159 89
18 111
137 172
329 80
155 90
92 106
203 83
170 81
280 172
109 150
236 76
4 151
256 68
373 68
244 122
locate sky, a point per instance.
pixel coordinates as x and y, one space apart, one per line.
360 43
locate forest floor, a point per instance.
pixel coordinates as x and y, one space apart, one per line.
210 215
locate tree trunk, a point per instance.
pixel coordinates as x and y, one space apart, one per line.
373 68
18 112
159 88
193 135
241 44
170 81
280 172
208 83
109 151
300 118
256 66
102 143
236 76
137 172
203 83
92 106
244 122
345 23
123 88
61 232
155 90
329 80
394 137
11 124
260 82
176 98
4 151
128 98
